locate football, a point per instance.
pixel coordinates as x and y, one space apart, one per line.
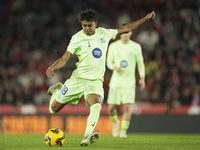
54 137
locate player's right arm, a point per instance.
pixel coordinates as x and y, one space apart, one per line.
58 64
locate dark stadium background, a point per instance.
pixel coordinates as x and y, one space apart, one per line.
33 34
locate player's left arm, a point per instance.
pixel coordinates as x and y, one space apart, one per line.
141 67
141 70
130 26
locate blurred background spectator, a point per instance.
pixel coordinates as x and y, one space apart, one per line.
33 34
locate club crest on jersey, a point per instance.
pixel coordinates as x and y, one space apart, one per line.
97 53
102 40
124 64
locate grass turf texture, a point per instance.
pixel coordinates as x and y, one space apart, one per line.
106 142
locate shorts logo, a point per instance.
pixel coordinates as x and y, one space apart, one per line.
102 40
124 64
96 53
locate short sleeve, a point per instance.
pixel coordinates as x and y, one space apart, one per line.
113 33
72 45
110 33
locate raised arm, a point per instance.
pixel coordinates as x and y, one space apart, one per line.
130 26
58 64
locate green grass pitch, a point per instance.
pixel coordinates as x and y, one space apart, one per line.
106 142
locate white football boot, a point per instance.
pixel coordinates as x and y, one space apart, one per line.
123 134
53 87
90 138
115 131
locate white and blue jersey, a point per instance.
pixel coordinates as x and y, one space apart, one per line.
91 52
126 56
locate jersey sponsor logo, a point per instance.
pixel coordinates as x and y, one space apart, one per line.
97 53
124 64
88 44
102 40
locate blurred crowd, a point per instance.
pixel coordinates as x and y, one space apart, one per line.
33 34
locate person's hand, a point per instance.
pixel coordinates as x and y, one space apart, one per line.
119 69
49 72
142 84
151 16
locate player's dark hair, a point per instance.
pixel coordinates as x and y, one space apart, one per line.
88 15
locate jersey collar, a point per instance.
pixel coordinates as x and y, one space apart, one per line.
86 36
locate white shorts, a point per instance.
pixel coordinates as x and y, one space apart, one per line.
120 96
74 88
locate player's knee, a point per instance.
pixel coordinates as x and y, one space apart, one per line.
52 109
110 112
127 108
111 108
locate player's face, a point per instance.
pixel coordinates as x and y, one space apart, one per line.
89 27
126 36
